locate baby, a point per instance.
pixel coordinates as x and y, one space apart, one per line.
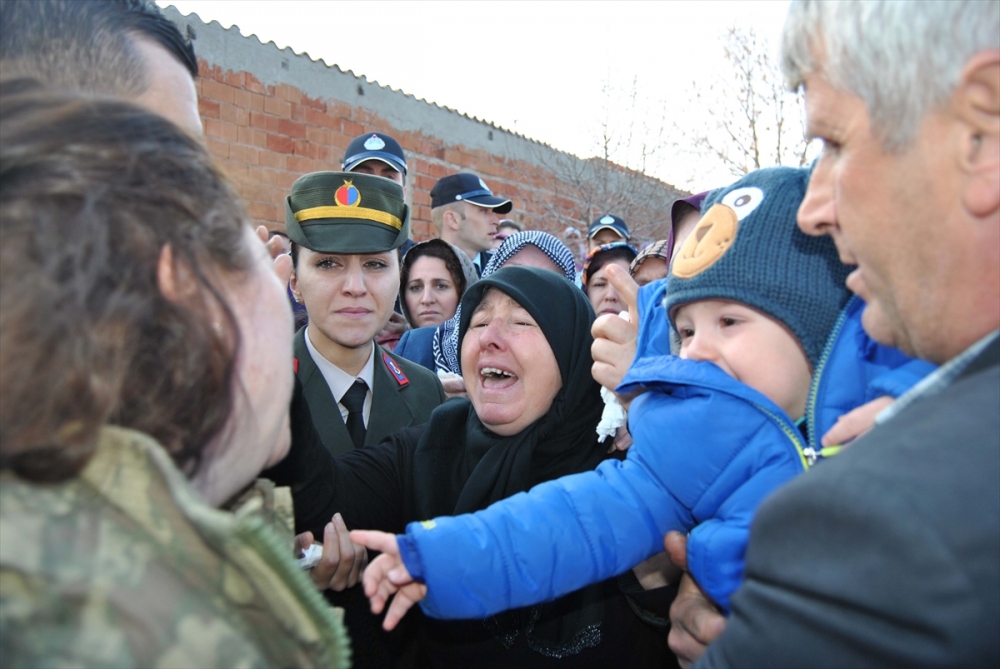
757 305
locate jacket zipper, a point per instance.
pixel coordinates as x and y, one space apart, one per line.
811 452
805 457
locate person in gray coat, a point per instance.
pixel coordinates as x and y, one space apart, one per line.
889 554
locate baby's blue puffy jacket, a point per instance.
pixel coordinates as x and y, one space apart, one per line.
707 450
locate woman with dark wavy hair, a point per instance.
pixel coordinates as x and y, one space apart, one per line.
145 374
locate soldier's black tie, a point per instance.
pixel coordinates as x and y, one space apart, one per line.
354 401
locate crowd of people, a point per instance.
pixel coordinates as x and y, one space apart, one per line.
771 438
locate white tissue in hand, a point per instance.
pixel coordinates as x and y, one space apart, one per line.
311 556
613 417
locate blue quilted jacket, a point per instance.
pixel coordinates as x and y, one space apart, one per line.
707 450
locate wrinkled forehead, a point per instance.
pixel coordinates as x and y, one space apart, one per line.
494 299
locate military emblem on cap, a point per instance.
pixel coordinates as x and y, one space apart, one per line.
607 220
374 143
347 195
338 212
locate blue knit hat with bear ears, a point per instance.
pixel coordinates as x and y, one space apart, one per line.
748 248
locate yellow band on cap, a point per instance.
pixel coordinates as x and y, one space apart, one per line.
382 217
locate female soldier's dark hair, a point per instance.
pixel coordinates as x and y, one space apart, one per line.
92 190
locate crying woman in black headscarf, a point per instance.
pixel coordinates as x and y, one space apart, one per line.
524 339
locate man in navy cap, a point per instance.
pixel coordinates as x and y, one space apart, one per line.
466 214
379 154
607 229
376 153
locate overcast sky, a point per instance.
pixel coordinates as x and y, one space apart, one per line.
549 70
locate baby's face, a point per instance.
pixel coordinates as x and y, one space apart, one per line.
750 347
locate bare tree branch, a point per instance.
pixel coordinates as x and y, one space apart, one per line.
747 118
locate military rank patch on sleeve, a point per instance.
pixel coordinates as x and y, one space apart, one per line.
394 369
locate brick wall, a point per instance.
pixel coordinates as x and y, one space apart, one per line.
271 116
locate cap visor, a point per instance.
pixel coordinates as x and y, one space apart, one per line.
617 230
497 204
381 157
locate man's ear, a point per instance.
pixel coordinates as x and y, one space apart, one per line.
452 220
174 279
976 101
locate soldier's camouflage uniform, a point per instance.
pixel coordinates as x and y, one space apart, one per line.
124 566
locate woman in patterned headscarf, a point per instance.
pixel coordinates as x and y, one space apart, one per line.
531 248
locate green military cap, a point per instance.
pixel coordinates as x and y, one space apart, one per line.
346 212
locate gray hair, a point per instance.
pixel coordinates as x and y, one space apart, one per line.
903 59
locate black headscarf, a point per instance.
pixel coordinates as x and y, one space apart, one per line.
471 467
461 467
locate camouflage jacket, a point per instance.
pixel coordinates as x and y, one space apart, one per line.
125 566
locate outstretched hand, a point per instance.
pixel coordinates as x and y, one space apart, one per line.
342 563
387 575
614 337
695 621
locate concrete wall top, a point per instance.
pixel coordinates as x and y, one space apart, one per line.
230 50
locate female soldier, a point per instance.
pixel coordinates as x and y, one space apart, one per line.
345 229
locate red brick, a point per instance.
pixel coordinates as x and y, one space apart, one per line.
256 101
235 79
245 154
314 117
317 135
203 68
258 120
325 155
253 84
260 139
422 197
276 161
207 108
261 211
437 170
291 128
234 114
417 164
289 93
218 148
284 180
302 165
221 130
257 175
424 183
299 112
409 142
237 170
350 128
339 109
279 144
241 99
213 90
277 107
315 103
341 140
